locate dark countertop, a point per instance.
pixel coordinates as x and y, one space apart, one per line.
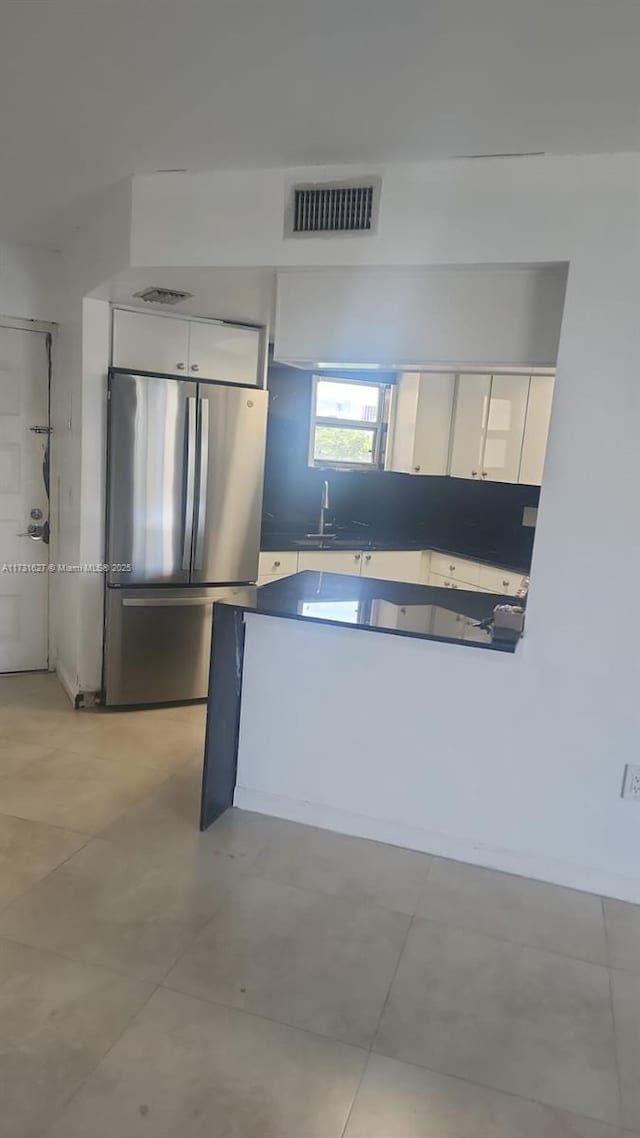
287 542
420 611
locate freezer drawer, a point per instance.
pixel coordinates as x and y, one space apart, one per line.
157 644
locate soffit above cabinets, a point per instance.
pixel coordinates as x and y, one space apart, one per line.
412 319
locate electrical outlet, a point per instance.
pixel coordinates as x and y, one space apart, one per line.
631 782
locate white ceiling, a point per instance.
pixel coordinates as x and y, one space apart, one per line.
94 90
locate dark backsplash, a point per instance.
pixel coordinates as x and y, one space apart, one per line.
477 518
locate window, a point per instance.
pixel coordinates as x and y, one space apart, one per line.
348 423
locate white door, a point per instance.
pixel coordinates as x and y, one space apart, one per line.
142 342
505 428
224 351
469 424
24 582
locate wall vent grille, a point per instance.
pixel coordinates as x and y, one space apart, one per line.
334 208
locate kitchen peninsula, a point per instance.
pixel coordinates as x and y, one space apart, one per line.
331 612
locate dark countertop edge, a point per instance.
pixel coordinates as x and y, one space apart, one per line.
288 545
508 647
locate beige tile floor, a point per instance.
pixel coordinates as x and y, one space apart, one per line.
270 980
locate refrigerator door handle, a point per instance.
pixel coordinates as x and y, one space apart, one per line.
191 482
201 523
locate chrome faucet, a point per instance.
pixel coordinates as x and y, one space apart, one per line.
324 506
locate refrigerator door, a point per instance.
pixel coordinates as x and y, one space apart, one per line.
157 644
151 478
232 426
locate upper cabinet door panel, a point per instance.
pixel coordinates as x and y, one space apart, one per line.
469 425
143 342
536 429
420 428
226 352
505 428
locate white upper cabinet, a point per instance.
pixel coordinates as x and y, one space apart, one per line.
536 429
420 427
469 425
489 427
203 349
142 342
505 428
224 351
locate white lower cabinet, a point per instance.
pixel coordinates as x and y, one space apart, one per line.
414 566
273 566
331 561
451 583
391 565
494 580
447 565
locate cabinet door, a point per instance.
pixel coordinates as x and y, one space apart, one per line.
450 583
448 565
330 562
536 429
142 342
392 565
503 581
420 429
505 428
275 565
469 425
227 352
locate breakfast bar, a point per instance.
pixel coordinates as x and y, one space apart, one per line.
251 649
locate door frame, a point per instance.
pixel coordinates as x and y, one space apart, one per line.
48 328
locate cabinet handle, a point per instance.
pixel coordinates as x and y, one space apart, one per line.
180 367
276 564
474 473
505 584
447 584
484 474
356 557
195 367
367 557
452 568
417 469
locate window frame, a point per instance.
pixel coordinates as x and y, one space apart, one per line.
379 426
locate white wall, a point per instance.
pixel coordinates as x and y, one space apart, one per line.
27 282
438 213
409 317
528 751
99 250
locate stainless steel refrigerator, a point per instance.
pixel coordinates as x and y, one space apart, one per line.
184 501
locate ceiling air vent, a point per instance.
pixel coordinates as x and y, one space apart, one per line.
333 207
163 295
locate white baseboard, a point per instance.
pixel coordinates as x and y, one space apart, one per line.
586 879
69 685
